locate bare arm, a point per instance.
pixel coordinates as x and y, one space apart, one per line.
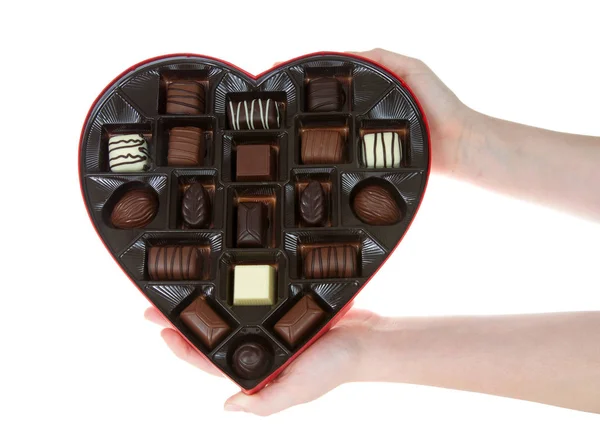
547 358
552 168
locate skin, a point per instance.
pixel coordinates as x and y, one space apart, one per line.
547 358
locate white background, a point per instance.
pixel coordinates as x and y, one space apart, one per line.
75 349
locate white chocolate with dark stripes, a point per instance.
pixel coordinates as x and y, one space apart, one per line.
128 153
255 114
381 150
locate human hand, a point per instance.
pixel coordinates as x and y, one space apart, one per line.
449 119
331 361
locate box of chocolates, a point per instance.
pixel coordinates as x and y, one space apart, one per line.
251 210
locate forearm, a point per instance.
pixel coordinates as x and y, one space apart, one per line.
547 358
551 168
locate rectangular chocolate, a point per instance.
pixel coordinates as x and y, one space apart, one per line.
299 321
381 150
251 224
322 146
255 162
176 263
185 97
186 146
255 114
324 94
204 322
335 261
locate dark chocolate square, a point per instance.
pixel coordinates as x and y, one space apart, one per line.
255 162
185 97
252 224
324 94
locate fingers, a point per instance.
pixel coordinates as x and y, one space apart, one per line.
154 315
186 352
286 391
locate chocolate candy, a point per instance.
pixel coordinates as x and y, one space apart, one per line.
135 209
255 162
253 285
251 224
321 146
176 263
375 205
255 114
251 360
330 262
186 146
299 321
381 150
204 322
324 94
313 209
195 207
128 153
185 97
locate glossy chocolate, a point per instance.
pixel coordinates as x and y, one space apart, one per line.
375 205
251 224
176 263
255 162
136 209
251 360
324 94
204 322
299 321
186 146
195 207
254 114
185 97
330 262
313 205
322 146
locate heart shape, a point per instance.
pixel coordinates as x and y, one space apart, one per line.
251 210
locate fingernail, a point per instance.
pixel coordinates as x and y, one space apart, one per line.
230 407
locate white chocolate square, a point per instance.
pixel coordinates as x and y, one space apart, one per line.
128 153
253 285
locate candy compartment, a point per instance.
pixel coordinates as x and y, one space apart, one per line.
324 139
196 200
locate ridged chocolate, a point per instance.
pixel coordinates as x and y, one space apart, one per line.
186 146
254 114
185 97
322 146
195 207
375 205
250 360
176 263
330 262
204 322
299 321
313 209
136 208
324 94
251 224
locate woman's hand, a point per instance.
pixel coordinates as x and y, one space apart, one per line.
331 361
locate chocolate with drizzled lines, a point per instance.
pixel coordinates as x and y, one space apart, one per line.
128 153
255 114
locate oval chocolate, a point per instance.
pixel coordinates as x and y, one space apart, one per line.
195 207
375 205
135 209
312 204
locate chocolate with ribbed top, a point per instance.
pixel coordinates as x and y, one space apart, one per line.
185 97
186 146
330 262
195 207
176 263
324 94
322 146
313 207
136 208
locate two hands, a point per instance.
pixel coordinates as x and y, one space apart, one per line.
459 352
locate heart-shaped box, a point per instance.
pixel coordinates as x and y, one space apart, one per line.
251 210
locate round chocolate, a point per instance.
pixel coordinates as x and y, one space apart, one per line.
135 209
250 360
375 205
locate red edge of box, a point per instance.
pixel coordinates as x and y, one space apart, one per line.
348 305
